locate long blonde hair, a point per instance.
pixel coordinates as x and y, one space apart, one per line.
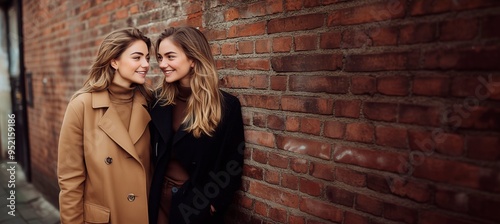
101 73
204 106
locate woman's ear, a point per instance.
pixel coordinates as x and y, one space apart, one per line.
114 64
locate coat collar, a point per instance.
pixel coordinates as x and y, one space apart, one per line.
111 124
161 117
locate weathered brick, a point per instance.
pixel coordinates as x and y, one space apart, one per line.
310 125
334 129
247 30
310 187
400 213
260 138
393 85
328 84
386 161
340 196
302 22
359 132
369 204
483 147
449 32
273 194
418 33
304 146
321 209
381 62
363 85
391 136
306 42
431 85
378 11
330 40
347 108
308 105
318 62
350 177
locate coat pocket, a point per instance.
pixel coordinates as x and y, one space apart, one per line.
93 213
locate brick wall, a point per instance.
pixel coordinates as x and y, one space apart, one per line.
359 111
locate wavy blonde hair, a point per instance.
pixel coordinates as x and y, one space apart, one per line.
204 106
101 73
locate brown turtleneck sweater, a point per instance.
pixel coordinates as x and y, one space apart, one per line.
179 112
121 97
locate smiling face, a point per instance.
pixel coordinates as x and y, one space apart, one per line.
132 65
174 63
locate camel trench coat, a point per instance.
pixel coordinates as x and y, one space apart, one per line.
104 170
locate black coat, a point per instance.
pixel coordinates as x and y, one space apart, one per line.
214 164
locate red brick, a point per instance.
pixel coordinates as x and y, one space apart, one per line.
472 58
310 125
231 14
261 208
359 132
307 105
252 172
484 207
292 123
422 7
328 84
452 200
276 122
307 62
321 209
322 171
299 165
449 144
253 64
253 10
481 118
259 119
278 160
274 6
418 192
282 44
278 83
432 85
310 187
449 32
350 217
400 213
306 42
296 219
393 85
363 85
350 177
294 23
422 141
260 82
419 115
418 33
347 108
462 174
381 62
278 215
334 129
263 46
330 40
483 147
466 5
260 138
259 156
245 201
272 177
273 194
432 217
245 47
380 160
354 38
489 27
246 30
290 181
293 5
340 196
262 101
228 49
236 81
378 183
304 146
378 11
391 136
368 204
383 36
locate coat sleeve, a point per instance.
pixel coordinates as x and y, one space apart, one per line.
230 159
71 169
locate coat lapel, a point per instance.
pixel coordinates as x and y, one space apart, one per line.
111 124
139 118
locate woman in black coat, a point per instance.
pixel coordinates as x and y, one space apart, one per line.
196 134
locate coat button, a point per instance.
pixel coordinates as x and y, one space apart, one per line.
175 189
131 197
108 160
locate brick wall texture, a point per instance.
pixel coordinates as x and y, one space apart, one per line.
361 111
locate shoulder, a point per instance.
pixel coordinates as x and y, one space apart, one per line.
81 100
230 100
